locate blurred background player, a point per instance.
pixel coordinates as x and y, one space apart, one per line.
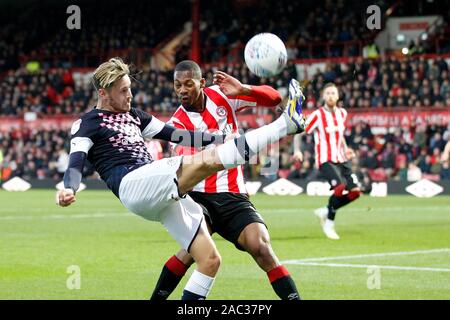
227 208
332 157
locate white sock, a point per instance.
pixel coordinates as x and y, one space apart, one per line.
329 223
232 153
261 137
199 283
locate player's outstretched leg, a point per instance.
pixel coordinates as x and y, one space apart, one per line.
256 241
172 272
204 252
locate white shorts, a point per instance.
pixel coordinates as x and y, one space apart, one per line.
151 192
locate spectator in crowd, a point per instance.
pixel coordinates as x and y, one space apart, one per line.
387 159
445 171
414 173
402 173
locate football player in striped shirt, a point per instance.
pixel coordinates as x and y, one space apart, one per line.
227 208
332 157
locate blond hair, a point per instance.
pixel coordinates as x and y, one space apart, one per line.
330 84
108 72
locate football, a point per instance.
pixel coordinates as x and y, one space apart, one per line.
265 55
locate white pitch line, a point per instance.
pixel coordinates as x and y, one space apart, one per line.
365 209
385 254
344 265
61 216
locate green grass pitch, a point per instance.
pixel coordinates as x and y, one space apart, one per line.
120 255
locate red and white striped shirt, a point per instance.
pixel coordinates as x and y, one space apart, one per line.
328 128
220 111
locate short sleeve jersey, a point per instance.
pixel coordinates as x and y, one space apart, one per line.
114 142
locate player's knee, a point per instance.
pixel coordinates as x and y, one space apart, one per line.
354 194
211 262
210 159
339 189
208 165
214 261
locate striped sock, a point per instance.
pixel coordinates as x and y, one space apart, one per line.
171 275
282 283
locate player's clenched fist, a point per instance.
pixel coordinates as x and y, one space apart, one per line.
65 197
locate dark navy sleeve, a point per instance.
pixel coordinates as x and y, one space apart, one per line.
82 132
156 129
73 175
187 138
144 117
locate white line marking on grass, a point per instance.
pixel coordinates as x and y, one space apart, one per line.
384 254
72 216
315 261
348 265
364 209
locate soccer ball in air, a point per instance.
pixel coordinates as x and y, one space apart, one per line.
265 55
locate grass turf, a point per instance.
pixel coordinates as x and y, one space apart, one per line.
120 255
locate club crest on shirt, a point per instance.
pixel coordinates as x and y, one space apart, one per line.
221 112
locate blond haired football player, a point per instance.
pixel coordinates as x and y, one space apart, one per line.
111 136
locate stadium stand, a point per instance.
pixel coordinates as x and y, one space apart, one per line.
363 83
55 85
27 33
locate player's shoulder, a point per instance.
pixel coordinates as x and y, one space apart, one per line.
213 91
139 113
87 120
93 113
343 110
179 117
214 87
179 113
315 112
